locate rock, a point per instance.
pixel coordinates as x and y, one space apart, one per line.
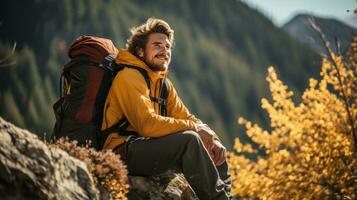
30 169
167 186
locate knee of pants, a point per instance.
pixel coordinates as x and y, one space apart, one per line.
190 135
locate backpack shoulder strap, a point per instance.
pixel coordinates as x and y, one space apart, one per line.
142 71
162 100
119 127
163 95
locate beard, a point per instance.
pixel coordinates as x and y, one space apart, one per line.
153 66
156 68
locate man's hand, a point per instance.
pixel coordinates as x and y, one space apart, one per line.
218 152
206 135
214 147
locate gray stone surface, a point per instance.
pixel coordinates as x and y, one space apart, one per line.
30 169
167 186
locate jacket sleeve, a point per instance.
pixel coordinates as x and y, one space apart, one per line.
134 100
176 108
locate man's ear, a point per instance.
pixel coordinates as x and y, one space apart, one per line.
140 52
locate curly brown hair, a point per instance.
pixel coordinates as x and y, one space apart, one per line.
140 34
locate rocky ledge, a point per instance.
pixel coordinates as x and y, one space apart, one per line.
30 169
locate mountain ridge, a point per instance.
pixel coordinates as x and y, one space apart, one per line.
332 28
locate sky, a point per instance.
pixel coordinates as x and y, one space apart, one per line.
281 11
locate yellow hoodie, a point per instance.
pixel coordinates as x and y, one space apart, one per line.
129 97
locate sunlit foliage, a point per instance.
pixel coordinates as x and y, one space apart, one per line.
105 167
310 151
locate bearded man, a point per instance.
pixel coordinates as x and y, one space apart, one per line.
160 133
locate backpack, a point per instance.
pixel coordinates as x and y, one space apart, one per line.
84 85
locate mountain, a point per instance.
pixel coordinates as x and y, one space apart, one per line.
222 51
351 20
299 27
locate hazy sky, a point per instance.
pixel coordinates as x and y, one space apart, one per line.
281 11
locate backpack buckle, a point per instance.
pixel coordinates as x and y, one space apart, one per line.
107 62
160 101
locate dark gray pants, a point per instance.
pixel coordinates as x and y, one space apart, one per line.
184 152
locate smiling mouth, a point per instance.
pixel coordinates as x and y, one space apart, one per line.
162 57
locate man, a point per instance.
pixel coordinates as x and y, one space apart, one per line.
176 141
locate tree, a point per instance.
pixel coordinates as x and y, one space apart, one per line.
310 152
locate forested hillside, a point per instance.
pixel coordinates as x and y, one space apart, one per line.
222 51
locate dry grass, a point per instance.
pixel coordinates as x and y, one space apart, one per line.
105 166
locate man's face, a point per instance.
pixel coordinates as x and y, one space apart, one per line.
157 53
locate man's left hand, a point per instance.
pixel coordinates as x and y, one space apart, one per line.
219 153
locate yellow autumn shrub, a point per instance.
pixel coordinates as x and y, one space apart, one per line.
310 152
106 168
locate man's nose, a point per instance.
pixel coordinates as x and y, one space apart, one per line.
167 50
